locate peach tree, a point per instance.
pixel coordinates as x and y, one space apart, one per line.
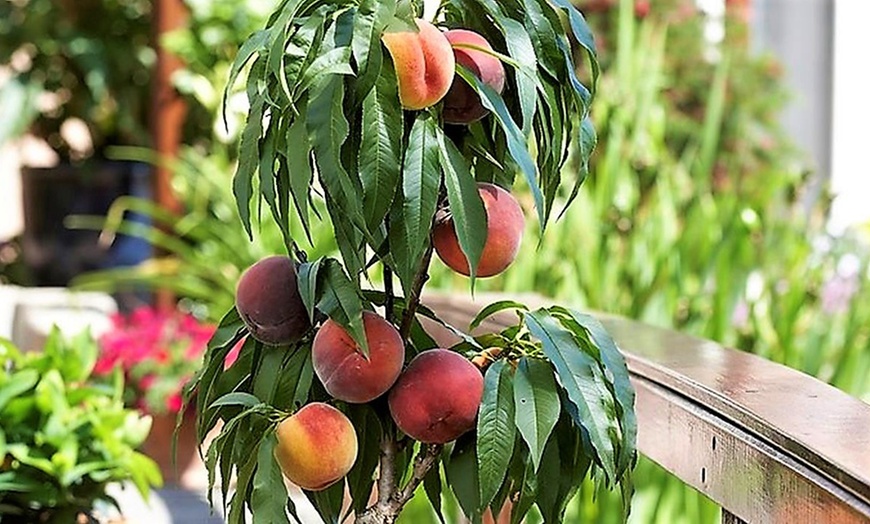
409 132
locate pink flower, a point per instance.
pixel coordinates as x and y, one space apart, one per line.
174 402
151 345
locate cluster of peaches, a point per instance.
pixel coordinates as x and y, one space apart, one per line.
435 398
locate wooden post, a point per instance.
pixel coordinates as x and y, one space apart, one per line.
168 112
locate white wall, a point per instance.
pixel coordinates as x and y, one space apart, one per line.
850 163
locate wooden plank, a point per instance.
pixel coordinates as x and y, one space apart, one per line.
768 443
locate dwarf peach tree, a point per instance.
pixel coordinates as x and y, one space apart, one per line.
410 134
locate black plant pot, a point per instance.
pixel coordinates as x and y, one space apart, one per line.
54 253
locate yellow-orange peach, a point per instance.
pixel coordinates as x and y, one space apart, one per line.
424 64
344 371
267 299
504 232
462 104
437 397
316 447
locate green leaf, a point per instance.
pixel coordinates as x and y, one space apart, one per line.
411 216
577 374
494 308
328 502
371 19
294 379
583 35
236 398
249 150
333 62
269 491
254 44
335 295
328 130
495 430
20 382
268 373
466 206
298 162
361 477
538 406
526 486
462 476
516 141
618 376
586 144
381 147
522 50
432 487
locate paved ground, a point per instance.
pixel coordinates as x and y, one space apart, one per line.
173 505
169 505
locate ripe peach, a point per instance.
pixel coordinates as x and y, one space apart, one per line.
316 447
504 226
437 397
267 299
424 64
345 372
462 104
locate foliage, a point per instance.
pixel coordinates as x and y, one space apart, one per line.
206 45
325 125
62 437
157 352
89 58
202 259
694 218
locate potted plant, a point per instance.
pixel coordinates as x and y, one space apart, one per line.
412 130
157 352
63 438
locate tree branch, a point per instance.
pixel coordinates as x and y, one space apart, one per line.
412 300
426 458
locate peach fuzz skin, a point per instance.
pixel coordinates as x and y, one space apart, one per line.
344 371
504 226
462 104
437 397
268 300
424 64
317 446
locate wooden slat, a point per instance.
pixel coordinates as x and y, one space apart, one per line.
766 442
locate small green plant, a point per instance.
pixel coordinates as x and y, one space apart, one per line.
63 439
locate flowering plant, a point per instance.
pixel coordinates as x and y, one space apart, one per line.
158 352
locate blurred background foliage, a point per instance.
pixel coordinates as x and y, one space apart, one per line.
694 216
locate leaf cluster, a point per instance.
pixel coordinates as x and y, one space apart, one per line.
63 438
325 123
557 407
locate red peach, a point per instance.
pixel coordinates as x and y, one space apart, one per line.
268 300
437 397
504 226
344 371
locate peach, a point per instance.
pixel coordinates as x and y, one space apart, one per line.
437 397
344 371
424 64
316 447
504 232
462 104
268 300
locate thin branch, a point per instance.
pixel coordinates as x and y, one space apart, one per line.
426 458
387 482
388 291
412 300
